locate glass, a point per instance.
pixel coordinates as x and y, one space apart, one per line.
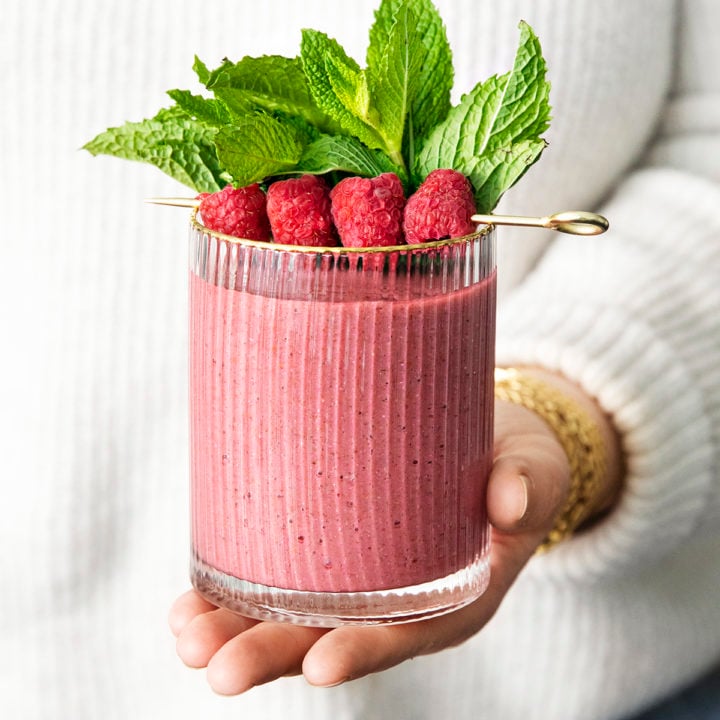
341 427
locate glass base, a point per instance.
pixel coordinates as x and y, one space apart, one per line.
331 609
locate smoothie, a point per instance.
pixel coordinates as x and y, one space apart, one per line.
341 427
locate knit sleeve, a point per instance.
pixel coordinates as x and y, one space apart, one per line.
634 317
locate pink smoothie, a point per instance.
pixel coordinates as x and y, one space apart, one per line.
340 446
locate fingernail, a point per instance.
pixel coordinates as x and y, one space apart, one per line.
332 684
518 500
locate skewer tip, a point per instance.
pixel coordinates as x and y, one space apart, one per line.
174 201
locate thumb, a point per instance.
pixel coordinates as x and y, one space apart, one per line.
528 485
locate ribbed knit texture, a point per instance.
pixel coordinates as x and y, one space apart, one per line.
93 388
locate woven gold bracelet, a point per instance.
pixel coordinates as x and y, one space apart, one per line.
578 434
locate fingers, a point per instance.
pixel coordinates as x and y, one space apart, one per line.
203 636
185 608
348 653
263 653
238 652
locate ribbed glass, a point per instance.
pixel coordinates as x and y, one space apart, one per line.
341 427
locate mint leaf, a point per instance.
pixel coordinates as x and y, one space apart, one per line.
339 87
201 70
393 80
345 154
493 117
270 82
173 142
433 68
495 172
258 147
205 110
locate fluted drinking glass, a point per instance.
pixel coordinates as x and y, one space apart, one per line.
341 407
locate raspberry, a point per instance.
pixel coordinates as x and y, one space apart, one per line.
368 211
440 208
299 212
239 212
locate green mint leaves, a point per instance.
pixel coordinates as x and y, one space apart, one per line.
493 135
180 146
321 112
430 76
339 87
270 83
258 146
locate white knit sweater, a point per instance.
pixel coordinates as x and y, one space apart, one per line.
93 404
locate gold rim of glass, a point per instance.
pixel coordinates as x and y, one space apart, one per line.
338 249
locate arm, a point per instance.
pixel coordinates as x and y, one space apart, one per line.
635 322
633 317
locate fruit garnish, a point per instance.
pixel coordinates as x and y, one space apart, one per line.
240 212
299 212
368 211
442 207
321 113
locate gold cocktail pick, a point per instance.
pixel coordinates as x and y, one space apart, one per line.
574 222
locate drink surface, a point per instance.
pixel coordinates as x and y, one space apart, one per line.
340 446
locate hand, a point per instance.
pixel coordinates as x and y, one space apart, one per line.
527 487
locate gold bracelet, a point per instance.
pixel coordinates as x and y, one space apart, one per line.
579 436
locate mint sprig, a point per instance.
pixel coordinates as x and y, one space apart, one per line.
322 112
